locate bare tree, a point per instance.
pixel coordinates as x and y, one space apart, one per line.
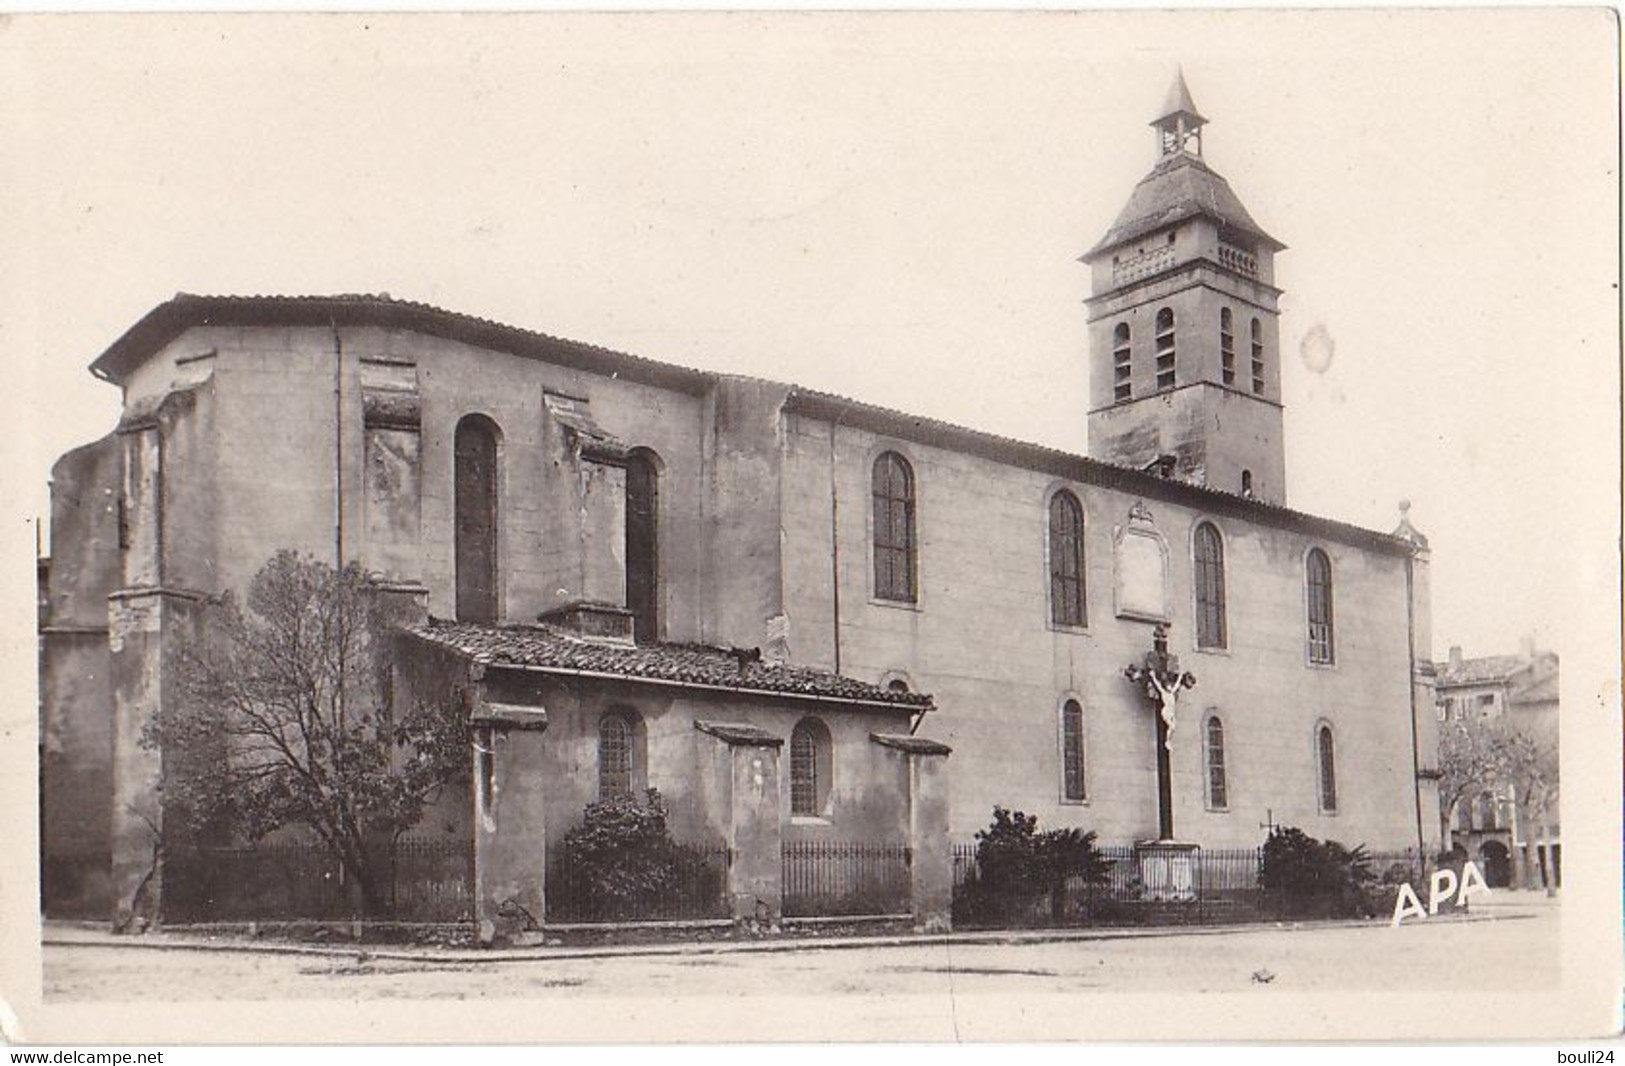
285 719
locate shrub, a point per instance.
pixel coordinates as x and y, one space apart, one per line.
1304 877
1023 875
621 861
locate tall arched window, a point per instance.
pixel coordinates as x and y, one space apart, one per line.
1122 364
1068 604
810 768
894 529
1227 344
643 544
1258 357
615 755
1073 786
1328 768
1218 788
1210 628
475 490
1318 578
1165 348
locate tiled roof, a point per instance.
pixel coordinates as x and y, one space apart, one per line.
1483 671
551 649
1181 186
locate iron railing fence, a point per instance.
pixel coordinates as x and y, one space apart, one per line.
677 883
418 881
1225 888
823 878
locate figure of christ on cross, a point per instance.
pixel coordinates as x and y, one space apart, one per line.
1162 682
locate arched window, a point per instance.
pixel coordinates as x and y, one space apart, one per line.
616 754
1067 603
1328 768
1258 357
1247 483
1210 629
1318 577
475 490
1122 364
1165 348
1218 789
1073 785
1227 344
643 544
894 528
810 769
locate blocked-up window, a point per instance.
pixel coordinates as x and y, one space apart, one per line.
894 542
1318 576
475 507
1068 605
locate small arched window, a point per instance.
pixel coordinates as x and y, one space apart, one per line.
1258 358
1318 578
1327 757
1074 788
1210 627
1227 345
615 756
474 488
1165 348
1067 601
894 542
1122 364
1218 788
810 768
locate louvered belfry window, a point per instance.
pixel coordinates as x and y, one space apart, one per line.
894 542
1210 627
1227 345
1165 349
1068 605
1318 576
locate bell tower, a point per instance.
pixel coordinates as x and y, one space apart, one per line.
1184 332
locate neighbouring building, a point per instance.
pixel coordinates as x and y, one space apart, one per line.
592 536
1513 844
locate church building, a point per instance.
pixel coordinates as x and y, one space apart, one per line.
800 616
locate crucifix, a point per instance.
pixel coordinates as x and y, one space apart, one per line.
1163 682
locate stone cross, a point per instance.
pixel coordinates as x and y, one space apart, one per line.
1163 681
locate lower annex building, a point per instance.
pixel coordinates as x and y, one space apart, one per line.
914 588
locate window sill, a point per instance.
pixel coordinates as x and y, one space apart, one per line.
1215 810
1200 650
1075 802
807 819
1080 631
1315 664
896 605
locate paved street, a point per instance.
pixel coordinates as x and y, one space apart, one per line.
1516 947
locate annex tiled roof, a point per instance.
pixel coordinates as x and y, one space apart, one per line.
1181 186
551 649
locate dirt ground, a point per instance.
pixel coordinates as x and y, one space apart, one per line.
1517 949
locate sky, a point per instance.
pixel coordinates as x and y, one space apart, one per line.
889 207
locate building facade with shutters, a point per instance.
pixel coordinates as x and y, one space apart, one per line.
602 535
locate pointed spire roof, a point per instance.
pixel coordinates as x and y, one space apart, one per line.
1179 102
